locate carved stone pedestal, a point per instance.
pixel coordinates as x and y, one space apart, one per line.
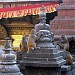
42 71
44 59
43 62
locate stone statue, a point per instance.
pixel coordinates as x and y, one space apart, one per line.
31 39
45 36
23 44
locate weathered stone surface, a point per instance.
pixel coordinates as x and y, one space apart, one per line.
45 59
68 69
42 71
8 61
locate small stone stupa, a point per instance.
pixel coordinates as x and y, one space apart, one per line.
43 30
8 61
45 59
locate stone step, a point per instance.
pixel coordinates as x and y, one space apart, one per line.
44 50
43 59
43 63
42 55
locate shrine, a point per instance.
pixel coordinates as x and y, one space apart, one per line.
46 21
18 18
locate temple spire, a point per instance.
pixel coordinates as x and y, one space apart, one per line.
8 43
8 62
42 15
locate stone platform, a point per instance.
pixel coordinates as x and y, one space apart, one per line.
43 58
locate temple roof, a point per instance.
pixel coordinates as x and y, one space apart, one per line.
28 0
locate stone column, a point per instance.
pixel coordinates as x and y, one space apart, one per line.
8 61
45 59
64 23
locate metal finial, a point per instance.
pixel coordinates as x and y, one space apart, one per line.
43 8
7 44
42 15
7 38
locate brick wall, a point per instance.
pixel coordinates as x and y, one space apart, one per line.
64 23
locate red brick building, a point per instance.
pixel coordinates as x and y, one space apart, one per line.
64 22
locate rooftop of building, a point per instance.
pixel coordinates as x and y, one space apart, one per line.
29 0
